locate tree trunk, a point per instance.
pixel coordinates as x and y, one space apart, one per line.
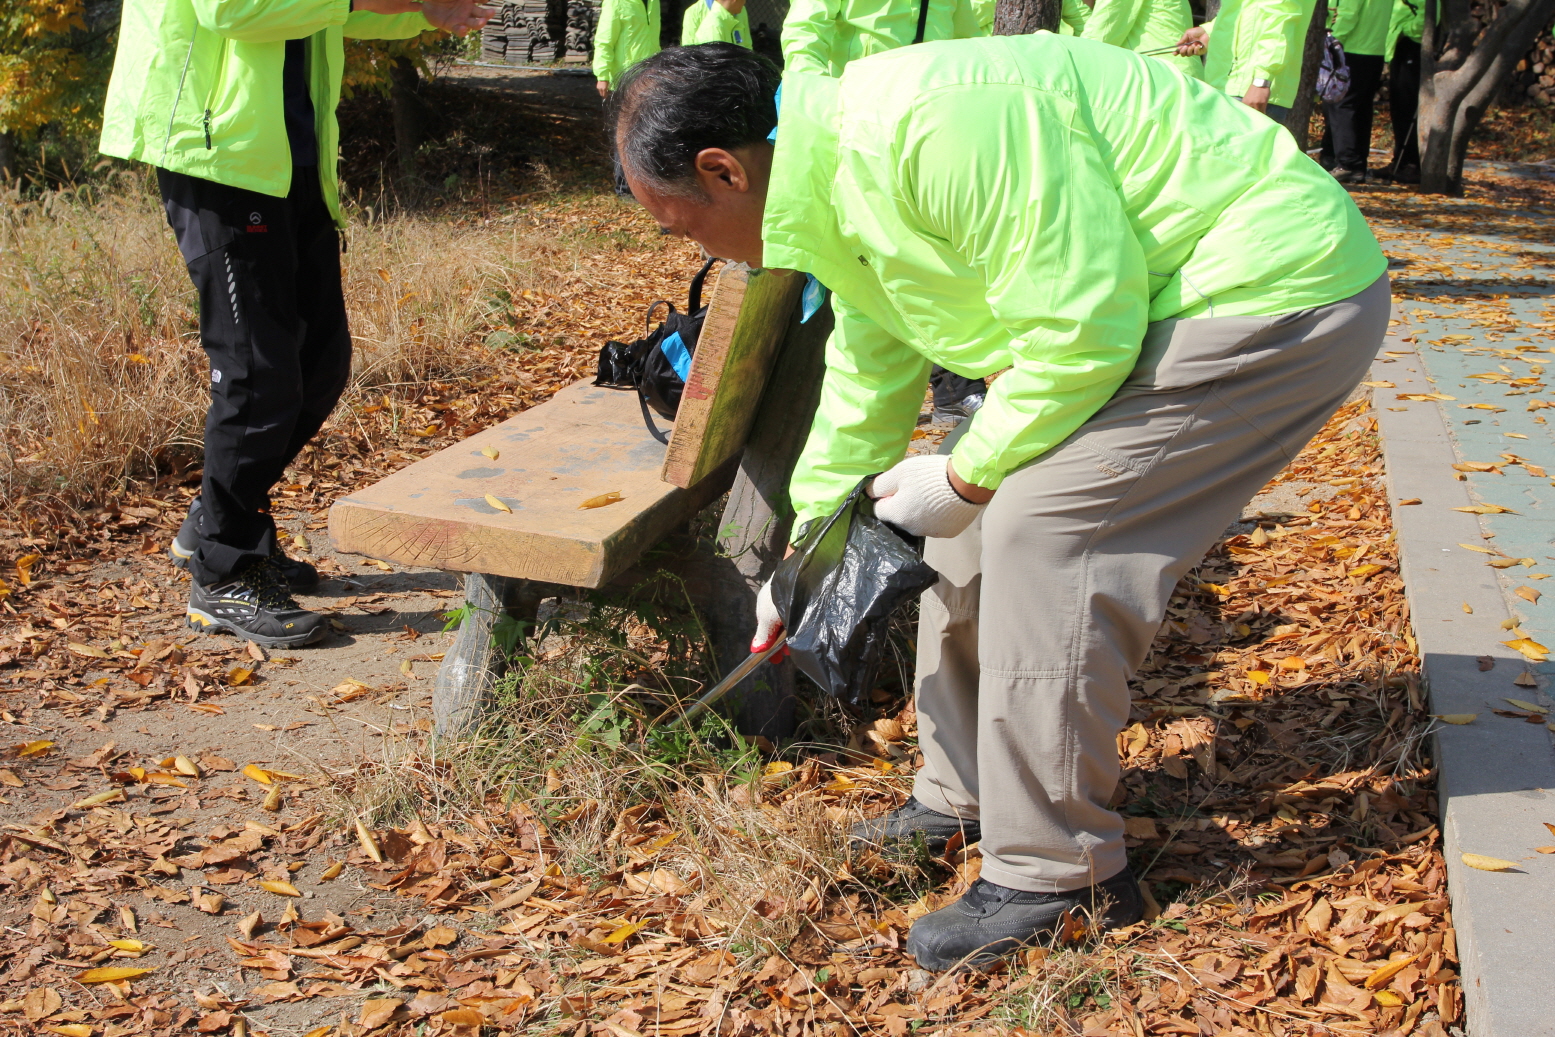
1019 17
757 521
1300 121
7 157
1460 78
409 112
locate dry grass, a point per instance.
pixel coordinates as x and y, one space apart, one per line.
102 380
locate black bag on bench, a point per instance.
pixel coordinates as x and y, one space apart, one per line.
657 365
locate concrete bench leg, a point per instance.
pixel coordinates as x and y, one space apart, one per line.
471 667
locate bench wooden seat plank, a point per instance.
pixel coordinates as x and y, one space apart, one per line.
582 443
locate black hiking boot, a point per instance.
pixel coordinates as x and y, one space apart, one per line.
300 576
909 821
255 604
992 920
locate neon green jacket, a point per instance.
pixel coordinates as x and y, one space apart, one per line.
1144 25
1407 19
1258 39
822 36
1361 26
1031 203
628 32
196 85
707 21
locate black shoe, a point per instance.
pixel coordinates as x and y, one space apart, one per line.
1350 176
1406 175
300 576
993 920
955 413
909 821
257 605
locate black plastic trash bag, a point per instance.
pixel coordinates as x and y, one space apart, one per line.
837 591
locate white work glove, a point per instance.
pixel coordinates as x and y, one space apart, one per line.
916 495
768 623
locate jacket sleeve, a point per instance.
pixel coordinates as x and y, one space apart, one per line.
870 398
1345 15
365 25
605 34
966 21
1110 21
1266 52
1075 15
271 21
1029 209
809 33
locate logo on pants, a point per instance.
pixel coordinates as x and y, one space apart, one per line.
256 224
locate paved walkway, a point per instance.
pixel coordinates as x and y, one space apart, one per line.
1475 433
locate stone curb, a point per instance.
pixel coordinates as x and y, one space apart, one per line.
1496 776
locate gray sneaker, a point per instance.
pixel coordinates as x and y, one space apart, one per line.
909 821
992 920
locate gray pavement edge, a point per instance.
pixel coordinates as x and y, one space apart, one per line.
1496 776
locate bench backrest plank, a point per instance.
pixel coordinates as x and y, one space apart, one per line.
580 444
746 320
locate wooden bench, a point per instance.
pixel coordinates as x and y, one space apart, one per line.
507 506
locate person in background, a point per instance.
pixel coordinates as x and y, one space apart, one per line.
233 102
1145 26
716 21
823 36
1403 57
628 31
1255 49
1361 27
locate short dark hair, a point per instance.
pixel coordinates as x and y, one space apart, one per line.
671 106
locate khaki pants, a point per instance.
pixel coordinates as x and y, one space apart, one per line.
1049 602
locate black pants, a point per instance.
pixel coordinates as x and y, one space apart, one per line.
1403 99
950 388
1347 136
273 323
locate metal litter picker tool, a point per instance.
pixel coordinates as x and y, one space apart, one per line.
721 689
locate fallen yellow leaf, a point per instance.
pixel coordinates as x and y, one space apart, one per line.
365 836
184 765
71 1029
279 888
1486 509
1529 706
131 947
24 566
112 974
491 452
239 676
1380 385
499 504
1365 570
87 650
332 872
623 932
1387 999
1530 649
1468 608
1455 718
37 748
1483 863
1476 547
97 799
602 500
259 774
1259 676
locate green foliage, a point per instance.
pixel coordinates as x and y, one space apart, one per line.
54 67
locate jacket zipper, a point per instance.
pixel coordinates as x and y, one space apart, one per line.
179 96
221 72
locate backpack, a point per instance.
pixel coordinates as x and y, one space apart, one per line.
1333 73
658 364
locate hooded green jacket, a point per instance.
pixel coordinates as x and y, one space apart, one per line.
196 85
822 36
707 21
1144 25
1361 26
628 32
1029 203
1407 19
1258 39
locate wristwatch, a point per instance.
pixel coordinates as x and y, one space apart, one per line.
1265 83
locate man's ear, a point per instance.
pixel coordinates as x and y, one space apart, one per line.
718 168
